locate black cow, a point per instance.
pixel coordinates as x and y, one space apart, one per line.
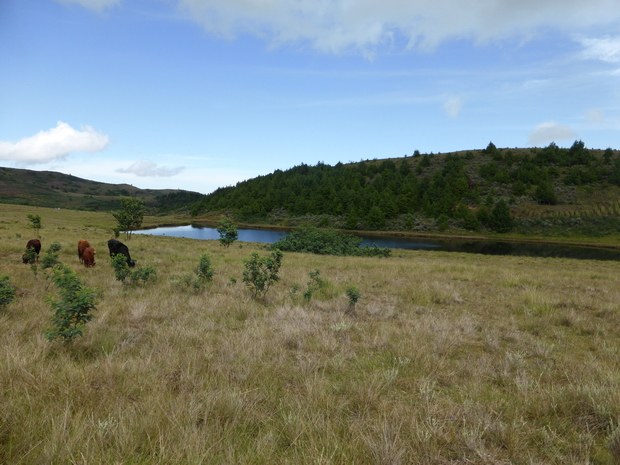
117 247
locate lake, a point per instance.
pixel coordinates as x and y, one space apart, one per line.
452 245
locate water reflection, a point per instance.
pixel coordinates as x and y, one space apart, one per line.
468 246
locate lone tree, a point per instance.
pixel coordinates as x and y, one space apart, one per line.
130 216
228 232
35 223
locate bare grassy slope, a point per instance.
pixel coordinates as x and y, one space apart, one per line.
452 358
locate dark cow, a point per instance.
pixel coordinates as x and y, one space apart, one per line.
117 247
88 257
82 246
32 244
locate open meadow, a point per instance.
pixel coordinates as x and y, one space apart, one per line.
448 358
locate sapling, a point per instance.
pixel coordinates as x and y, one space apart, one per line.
354 295
7 291
314 284
262 272
73 310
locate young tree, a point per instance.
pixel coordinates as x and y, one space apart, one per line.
130 216
501 221
72 310
7 291
35 223
228 232
262 272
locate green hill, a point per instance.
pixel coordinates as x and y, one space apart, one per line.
58 190
549 191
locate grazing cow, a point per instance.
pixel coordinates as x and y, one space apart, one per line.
117 247
88 257
82 246
32 244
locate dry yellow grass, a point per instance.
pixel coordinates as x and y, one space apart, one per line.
450 358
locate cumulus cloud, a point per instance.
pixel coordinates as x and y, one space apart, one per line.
550 131
603 49
97 5
54 144
144 168
336 25
453 106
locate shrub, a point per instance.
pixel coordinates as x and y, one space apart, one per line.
50 259
7 291
314 284
121 269
72 310
326 242
204 270
139 275
354 295
262 272
228 232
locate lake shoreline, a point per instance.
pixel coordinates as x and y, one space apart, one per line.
406 234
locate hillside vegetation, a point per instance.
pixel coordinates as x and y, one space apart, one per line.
447 358
548 191
58 190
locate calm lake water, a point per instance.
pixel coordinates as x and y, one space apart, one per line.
468 246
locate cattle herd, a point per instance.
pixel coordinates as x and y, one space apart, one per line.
86 254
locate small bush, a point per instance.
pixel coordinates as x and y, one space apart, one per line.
228 232
353 294
73 310
204 270
7 291
314 284
262 272
140 275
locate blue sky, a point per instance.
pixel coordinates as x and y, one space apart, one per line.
200 94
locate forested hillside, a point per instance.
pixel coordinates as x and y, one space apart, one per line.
547 190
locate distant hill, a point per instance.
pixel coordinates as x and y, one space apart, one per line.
58 190
550 191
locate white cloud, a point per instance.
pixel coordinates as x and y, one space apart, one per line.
550 131
54 144
595 116
603 49
453 106
144 168
336 25
97 5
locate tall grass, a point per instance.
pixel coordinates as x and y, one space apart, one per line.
450 358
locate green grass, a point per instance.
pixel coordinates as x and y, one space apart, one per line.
449 358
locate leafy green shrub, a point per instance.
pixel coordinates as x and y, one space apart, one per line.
327 242
314 284
120 267
262 272
353 294
228 232
50 259
204 270
143 274
7 291
72 310
140 275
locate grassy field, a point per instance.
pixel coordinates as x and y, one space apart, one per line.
449 358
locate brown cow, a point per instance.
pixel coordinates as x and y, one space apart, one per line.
89 257
82 246
34 244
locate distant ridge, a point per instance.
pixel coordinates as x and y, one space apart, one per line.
58 190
